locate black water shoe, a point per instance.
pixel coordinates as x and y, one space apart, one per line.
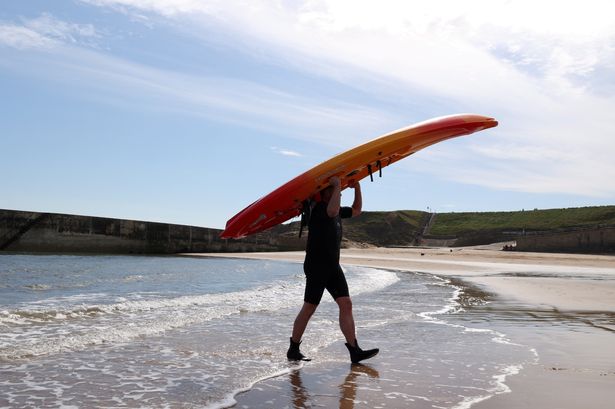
357 354
294 354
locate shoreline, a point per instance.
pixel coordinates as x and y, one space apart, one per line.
562 305
540 279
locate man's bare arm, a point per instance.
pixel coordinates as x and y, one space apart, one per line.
333 207
357 204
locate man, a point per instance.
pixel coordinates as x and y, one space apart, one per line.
322 269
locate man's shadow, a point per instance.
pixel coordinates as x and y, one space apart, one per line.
348 389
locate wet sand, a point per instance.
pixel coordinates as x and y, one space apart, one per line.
562 305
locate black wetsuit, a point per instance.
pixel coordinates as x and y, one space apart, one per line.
322 256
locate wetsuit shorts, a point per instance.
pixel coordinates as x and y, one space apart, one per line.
321 278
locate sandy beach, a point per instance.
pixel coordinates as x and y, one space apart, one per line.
562 305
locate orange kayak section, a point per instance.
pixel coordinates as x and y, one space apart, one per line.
355 164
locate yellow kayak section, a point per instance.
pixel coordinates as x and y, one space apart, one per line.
365 160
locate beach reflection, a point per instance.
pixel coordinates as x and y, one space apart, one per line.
300 395
348 389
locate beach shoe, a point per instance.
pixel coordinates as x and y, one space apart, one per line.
293 353
358 355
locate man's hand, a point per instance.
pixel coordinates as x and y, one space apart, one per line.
354 184
335 182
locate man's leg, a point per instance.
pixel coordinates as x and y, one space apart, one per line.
348 329
302 320
299 326
346 319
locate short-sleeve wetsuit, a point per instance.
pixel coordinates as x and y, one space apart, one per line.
322 255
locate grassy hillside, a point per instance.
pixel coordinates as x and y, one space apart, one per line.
385 228
378 228
460 224
401 227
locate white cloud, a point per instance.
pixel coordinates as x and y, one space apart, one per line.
531 65
132 85
46 32
427 44
22 38
285 152
166 8
52 27
526 63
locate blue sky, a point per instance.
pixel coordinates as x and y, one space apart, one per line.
186 111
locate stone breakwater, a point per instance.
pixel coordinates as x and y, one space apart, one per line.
64 233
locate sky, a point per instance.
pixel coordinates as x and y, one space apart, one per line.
186 111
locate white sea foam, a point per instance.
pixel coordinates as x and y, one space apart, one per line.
450 306
230 401
499 387
71 324
366 279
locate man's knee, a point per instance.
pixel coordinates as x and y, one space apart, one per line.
344 303
309 308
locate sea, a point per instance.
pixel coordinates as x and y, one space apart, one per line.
90 331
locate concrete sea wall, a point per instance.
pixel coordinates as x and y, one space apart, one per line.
52 232
582 240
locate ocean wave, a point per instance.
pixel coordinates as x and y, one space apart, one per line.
59 325
37 287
